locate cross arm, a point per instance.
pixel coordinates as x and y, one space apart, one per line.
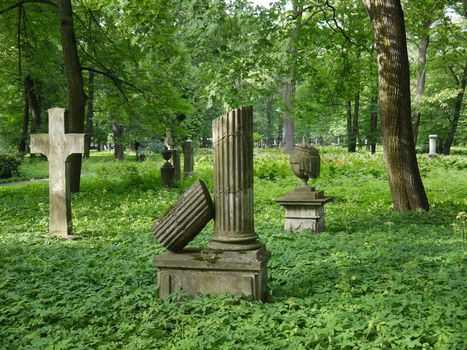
40 144
75 143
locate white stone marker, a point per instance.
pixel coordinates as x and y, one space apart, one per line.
57 146
432 150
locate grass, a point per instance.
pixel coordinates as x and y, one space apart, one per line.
374 280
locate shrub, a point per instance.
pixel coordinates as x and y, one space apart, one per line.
9 163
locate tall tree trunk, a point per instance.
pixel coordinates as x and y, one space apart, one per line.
24 130
457 112
117 130
76 96
290 80
404 177
422 51
33 103
269 117
355 124
89 114
373 123
351 141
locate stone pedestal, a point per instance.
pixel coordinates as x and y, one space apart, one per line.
188 158
304 210
214 272
432 145
167 175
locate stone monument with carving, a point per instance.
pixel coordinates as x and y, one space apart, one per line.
57 146
304 206
235 262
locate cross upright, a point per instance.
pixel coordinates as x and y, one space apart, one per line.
57 146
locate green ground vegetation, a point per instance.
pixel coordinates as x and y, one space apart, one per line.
374 280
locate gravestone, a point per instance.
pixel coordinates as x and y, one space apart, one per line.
188 158
304 206
57 146
432 145
235 262
176 164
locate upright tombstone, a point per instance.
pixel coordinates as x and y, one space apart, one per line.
432 145
57 146
188 158
304 206
235 262
176 164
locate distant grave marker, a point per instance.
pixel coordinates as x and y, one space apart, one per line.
57 146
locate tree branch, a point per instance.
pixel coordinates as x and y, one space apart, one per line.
454 75
21 3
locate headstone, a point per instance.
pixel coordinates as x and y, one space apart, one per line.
432 145
185 219
235 262
176 164
304 206
57 146
188 158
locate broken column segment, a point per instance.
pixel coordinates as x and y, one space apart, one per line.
185 219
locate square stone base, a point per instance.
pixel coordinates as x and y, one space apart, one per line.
214 272
299 218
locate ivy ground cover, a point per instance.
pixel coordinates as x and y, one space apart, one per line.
374 280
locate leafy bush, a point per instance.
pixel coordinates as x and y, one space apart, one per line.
271 167
9 164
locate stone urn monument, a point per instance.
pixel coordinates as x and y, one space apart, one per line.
167 170
304 206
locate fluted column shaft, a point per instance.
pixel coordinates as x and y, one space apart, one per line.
233 181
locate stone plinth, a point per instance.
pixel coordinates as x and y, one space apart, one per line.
432 145
214 272
304 210
57 146
232 136
185 219
188 158
167 175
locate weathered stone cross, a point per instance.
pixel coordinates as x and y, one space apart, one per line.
57 146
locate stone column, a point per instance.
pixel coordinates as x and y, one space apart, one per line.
233 181
176 162
188 158
432 145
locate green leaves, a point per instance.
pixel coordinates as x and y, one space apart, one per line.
374 279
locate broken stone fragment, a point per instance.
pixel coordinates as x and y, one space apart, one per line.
185 219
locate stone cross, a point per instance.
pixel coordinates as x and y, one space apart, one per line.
57 146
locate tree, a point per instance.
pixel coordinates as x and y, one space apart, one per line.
76 96
404 177
290 79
